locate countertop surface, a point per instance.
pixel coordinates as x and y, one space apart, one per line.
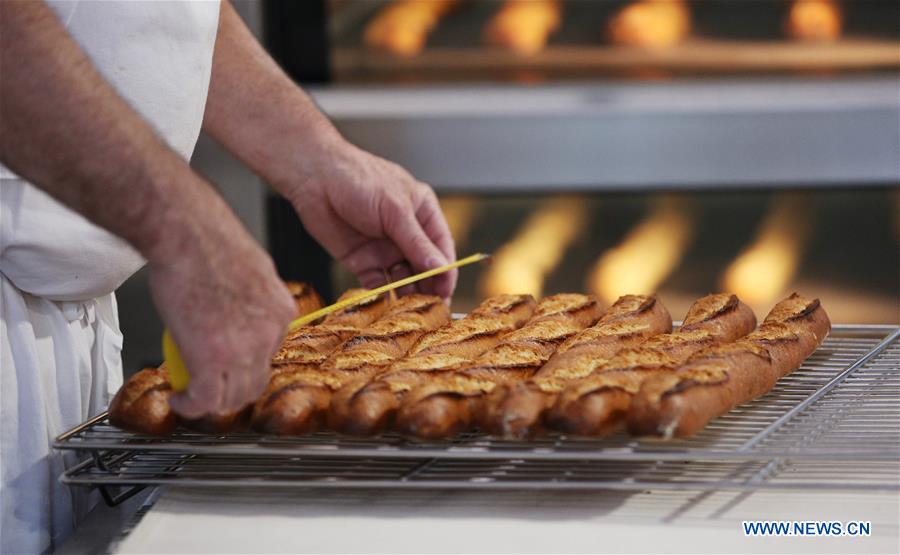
420 521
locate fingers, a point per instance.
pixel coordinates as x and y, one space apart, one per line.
434 224
399 271
432 219
403 228
205 394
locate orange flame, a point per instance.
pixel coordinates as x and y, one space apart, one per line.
647 254
764 269
402 27
524 26
460 212
818 20
651 24
522 265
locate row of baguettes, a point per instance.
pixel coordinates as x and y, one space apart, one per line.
513 367
142 403
682 401
367 407
297 398
442 407
522 409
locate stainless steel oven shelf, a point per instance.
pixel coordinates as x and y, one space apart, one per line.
834 423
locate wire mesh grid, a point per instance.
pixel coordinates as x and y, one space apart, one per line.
842 406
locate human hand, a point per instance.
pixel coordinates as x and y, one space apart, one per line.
226 309
375 218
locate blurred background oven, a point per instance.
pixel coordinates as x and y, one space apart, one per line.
678 146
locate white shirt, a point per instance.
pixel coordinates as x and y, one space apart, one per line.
60 344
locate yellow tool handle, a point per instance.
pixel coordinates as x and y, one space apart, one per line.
178 373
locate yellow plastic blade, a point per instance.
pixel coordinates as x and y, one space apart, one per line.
178 373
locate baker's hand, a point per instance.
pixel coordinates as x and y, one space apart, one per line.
376 219
226 309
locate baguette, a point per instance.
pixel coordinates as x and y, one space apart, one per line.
142 404
308 346
305 297
365 407
448 405
304 347
296 400
517 409
715 380
597 405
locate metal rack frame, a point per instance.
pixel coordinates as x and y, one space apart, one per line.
698 134
832 424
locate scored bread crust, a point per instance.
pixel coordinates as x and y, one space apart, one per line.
715 380
517 409
303 346
305 297
366 407
448 404
142 404
296 401
596 405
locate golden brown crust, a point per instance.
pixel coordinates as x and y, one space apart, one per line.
311 344
519 410
359 315
517 356
597 405
367 408
722 315
715 380
297 400
293 404
142 404
389 338
305 297
220 423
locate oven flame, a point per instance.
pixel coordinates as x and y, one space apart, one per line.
460 212
522 265
523 26
648 253
402 27
651 24
814 20
764 269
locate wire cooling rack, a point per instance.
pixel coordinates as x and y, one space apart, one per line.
833 423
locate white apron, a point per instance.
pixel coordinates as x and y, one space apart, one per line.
60 344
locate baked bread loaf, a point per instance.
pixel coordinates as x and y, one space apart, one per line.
296 400
523 26
308 346
142 404
364 407
302 346
596 405
305 297
717 379
445 406
517 409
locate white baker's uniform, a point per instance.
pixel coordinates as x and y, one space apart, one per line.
60 341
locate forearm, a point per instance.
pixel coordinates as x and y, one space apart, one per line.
63 128
260 115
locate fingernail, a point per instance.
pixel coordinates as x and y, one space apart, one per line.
434 262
